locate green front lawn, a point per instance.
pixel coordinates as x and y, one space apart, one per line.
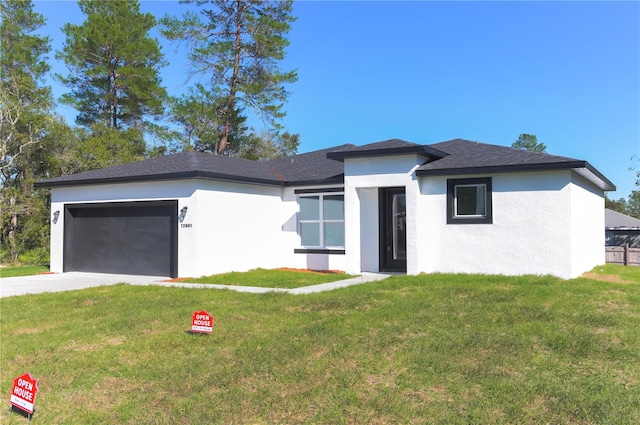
616 273
271 278
14 271
431 349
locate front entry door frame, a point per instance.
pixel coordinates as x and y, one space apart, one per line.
393 225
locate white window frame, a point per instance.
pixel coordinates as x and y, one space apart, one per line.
453 217
484 198
321 220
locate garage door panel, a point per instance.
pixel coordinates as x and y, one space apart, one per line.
135 239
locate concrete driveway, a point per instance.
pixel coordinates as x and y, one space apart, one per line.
57 282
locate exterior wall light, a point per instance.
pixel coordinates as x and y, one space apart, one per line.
56 214
183 213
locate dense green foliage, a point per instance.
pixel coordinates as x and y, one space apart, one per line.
629 206
235 46
437 349
32 138
124 112
529 142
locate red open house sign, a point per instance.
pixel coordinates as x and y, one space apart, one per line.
23 393
202 322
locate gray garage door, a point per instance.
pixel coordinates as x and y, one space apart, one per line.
125 238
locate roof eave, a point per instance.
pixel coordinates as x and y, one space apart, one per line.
159 177
590 173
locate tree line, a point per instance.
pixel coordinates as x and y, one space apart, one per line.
124 113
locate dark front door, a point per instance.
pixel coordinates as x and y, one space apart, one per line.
393 229
124 238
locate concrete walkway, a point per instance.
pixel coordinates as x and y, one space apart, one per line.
364 278
57 282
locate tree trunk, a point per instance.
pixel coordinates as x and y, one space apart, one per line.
234 80
13 249
114 103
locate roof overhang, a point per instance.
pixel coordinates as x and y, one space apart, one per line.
594 176
422 150
159 177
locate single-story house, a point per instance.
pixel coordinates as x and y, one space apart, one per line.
621 229
455 206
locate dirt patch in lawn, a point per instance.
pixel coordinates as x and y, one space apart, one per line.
605 277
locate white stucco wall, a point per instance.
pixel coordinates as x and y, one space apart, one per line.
228 226
181 190
363 178
587 226
535 229
543 223
242 227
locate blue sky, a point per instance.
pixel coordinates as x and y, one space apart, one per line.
426 72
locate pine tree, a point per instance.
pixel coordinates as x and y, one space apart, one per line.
529 142
114 66
237 46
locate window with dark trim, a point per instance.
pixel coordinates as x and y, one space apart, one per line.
469 201
321 220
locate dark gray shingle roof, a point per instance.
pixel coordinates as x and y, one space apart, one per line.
325 166
464 154
467 157
189 164
386 148
310 167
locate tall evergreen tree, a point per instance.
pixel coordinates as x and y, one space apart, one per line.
529 142
114 66
237 45
30 132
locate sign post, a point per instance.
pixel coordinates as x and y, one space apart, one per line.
23 394
201 322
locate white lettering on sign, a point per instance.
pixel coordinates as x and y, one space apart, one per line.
25 384
22 393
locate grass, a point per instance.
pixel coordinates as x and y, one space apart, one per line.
14 271
288 279
616 273
438 349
